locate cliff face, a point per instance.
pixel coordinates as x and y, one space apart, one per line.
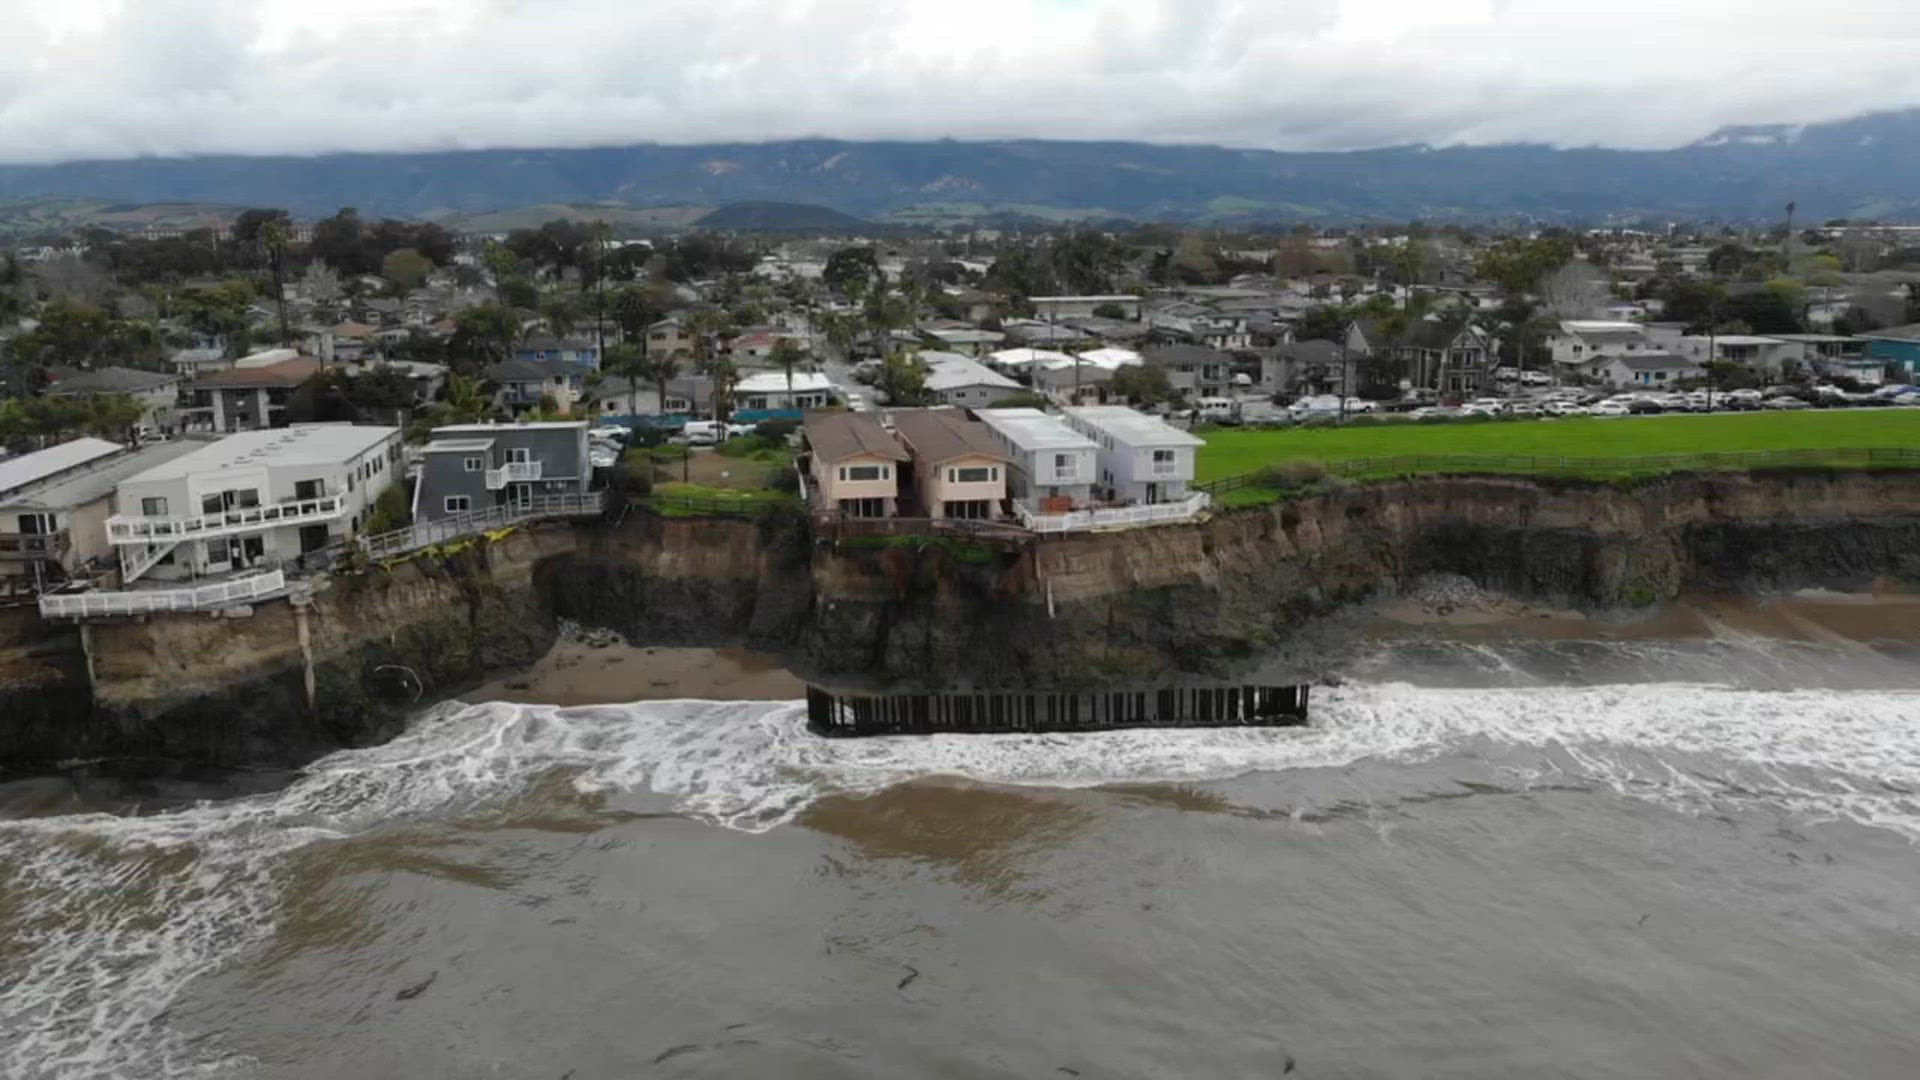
1223 597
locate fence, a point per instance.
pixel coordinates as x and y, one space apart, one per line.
986 712
836 527
86 605
1888 457
1116 517
426 534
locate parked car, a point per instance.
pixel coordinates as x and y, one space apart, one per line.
701 433
1608 408
614 432
1743 399
1535 378
1785 402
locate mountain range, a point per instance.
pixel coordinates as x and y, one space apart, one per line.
1866 167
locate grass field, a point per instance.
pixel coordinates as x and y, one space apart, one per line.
700 500
1238 452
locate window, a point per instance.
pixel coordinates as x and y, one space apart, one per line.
1577 350
969 476
153 507
864 472
458 504
519 456
1163 457
210 504
474 464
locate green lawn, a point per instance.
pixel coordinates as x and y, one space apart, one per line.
700 500
1238 452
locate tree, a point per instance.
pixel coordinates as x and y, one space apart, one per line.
485 334
904 379
853 271
68 334
465 401
1516 264
1141 384
1574 291
786 356
341 242
406 267
1109 311
1322 322
662 370
562 313
627 361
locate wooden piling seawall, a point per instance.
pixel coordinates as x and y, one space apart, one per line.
986 712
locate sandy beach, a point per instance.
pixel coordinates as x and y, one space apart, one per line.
1458 610
597 668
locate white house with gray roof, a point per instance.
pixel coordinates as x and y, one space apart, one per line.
1142 459
1054 467
252 500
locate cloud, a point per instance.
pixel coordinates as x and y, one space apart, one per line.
116 78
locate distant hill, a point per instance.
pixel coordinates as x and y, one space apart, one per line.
780 217
1865 167
621 218
33 217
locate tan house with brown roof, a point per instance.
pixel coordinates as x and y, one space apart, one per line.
958 470
855 465
247 398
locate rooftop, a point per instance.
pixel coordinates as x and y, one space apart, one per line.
1134 428
41 465
98 478
775 382
113 380
301 444
947 371
835 436
459 446
1023 357
944 434
494 429
284 373
1031 429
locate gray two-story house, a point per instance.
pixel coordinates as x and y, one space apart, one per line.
472 467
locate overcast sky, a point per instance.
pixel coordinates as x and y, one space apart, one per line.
115 78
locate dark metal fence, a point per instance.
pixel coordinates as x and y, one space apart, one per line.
986 712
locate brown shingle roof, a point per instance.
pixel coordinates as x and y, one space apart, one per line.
835 436
284 373
944 434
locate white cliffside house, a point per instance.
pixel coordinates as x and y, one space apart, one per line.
1053 466
252 500
1142 459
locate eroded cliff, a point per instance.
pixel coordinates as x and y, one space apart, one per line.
1227 596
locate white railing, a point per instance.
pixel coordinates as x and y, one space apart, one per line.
122 529
87 605
1115 517
514 472
428 533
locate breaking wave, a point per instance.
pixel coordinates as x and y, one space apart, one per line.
103 919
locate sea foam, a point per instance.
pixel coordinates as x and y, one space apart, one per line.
111 916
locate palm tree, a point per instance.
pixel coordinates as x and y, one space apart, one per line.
626 361
466 402
662 370
273 234
786 356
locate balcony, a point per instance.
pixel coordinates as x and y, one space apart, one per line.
101 605
34 547
514 472
235 522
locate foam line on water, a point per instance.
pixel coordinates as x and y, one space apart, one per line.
113 915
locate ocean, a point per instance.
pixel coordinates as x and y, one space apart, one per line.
1549 859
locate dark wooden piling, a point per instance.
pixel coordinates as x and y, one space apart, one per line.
986 712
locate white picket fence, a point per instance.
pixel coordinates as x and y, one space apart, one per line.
93 605
1117 517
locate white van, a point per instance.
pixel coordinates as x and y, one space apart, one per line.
1214 408
701 433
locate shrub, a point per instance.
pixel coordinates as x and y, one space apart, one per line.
784 480
390 511
776 431
1298 472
